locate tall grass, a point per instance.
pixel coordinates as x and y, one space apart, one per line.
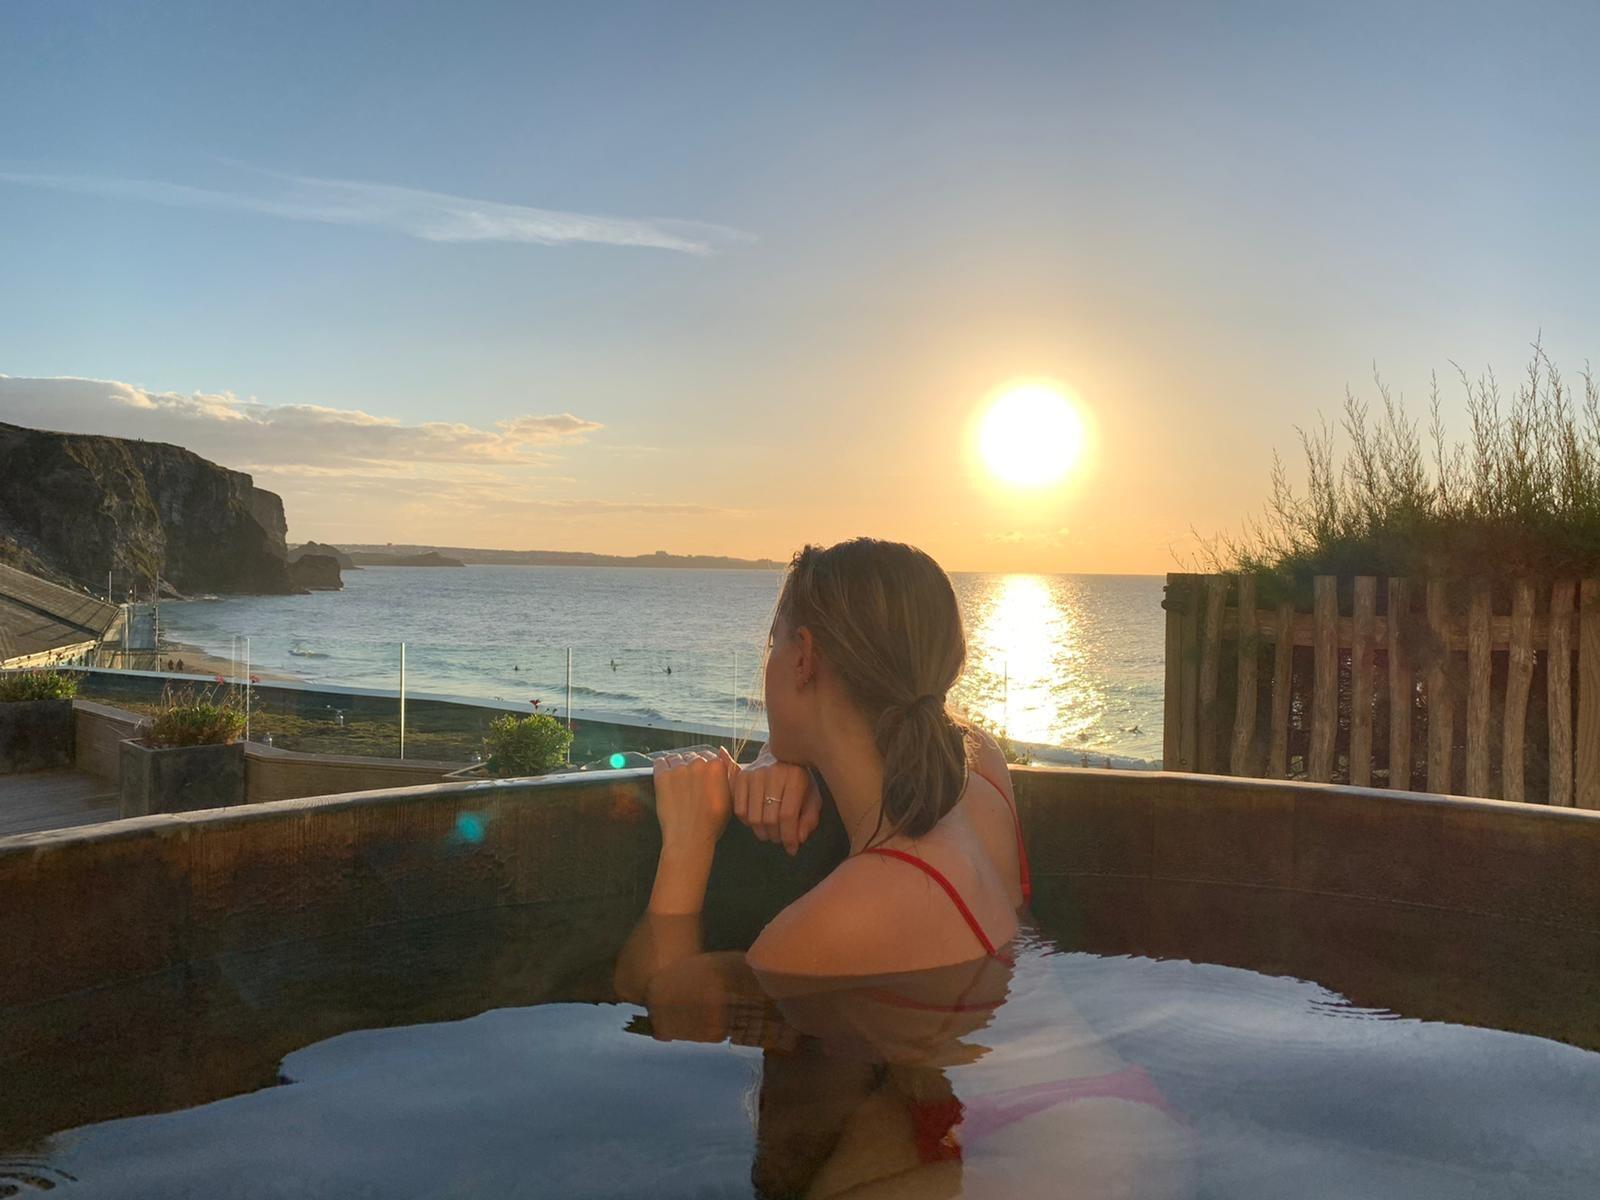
1518 496
191 717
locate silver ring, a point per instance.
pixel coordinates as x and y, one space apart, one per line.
770 800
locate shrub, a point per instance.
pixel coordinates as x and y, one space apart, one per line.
196 718
37 685
526 745
1520 496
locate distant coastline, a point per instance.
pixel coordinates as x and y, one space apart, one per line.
430 558
369 555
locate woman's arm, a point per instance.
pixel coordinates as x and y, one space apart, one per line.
696 793
693 800
778 801
657 941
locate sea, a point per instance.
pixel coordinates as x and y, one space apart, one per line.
1069 665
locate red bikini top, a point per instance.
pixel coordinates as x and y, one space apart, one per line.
937 876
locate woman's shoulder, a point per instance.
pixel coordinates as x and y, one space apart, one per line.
876 913
844 925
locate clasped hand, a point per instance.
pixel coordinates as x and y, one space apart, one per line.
697 791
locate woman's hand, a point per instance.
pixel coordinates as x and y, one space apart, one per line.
693 797
777 800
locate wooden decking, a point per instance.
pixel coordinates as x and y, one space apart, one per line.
54 800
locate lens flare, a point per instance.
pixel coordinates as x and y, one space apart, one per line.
618 761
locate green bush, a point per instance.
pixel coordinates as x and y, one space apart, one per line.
37 685
1519 497
526 745
196 718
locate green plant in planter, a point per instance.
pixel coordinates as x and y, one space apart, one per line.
196 718
526 745
37 685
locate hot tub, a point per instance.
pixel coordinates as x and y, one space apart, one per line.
1293 990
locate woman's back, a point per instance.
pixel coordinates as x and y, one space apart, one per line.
907 904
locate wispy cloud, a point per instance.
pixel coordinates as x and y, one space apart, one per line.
250 435
431 216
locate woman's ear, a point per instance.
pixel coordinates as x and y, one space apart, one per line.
805 668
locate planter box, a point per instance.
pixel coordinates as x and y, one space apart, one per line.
35 735
180 778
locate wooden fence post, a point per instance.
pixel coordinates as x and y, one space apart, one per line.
1282 685
1189 724
1210 664
1244 709
1402 686
1478 676
1365 616
1588 733
1558 693
1519 678
1441 711
1325 686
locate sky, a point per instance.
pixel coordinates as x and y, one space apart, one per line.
730 278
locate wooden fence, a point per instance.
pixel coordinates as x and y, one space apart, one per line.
1444 685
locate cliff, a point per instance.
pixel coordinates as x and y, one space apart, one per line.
79 505
267 508
316 573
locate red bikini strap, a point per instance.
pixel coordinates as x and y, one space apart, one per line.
934 874
1023 875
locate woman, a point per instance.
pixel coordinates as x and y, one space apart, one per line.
866 644
904 947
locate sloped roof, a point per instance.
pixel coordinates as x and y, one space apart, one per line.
37 615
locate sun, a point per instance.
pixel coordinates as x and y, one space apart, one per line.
1031 436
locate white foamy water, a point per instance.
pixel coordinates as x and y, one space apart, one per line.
1072 661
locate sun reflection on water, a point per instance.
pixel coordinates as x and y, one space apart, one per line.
1025 660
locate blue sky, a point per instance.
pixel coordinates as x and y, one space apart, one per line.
1204 220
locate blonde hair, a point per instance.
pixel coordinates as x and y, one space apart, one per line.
885 617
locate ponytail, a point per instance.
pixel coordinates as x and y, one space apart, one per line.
924 753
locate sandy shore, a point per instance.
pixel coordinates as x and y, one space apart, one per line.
198 663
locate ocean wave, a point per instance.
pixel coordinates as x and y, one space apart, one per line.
600 694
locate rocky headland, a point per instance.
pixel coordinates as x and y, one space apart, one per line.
333 552
316 572
75 506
